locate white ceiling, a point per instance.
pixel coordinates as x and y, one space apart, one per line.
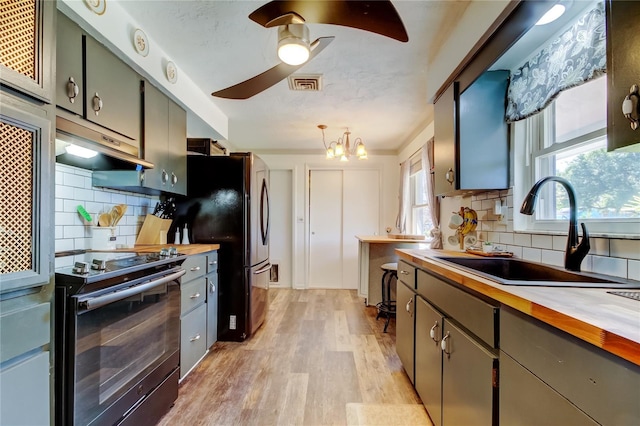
374 85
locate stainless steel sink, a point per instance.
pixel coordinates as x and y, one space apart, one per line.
509 271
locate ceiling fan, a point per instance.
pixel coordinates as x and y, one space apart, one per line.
291 16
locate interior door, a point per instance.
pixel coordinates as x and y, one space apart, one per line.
325 229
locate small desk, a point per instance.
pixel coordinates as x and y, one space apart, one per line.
374 251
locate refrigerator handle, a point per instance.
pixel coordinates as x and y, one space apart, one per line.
263 270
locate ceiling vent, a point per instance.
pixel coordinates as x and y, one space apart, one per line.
306 83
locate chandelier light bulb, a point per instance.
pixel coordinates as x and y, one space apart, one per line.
339 150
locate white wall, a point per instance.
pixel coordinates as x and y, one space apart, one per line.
299 164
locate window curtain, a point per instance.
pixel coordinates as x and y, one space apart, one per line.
404 197
434 201
577 56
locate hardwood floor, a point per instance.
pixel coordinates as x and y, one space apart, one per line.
320 358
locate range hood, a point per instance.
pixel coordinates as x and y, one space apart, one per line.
114 152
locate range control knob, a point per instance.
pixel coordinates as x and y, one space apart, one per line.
98 265
81 268
164 252
173 252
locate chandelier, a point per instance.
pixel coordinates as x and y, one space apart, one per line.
342 147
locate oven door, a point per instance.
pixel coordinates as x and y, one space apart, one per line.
125 343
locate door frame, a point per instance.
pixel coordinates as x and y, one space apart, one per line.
308 168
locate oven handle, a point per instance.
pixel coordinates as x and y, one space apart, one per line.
100 301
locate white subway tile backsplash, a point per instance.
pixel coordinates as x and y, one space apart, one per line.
102 196
64 191
532 254
64 245
599 246
629 249
542 241
70 179
633 270
609 266
559 242
505 238
522 240
516 250
81 194
74 232
552 257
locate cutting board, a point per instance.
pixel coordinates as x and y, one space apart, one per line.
152 228
491 254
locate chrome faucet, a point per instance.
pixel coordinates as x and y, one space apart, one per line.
575 252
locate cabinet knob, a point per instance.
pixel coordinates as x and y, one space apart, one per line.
174 179
449 176
444 345
72 89
194 338
165 176
97 103
627 107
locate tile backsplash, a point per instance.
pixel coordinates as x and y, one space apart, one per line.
73 188
610 256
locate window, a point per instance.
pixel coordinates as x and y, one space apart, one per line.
420 217
568 139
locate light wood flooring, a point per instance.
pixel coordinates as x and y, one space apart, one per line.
320 358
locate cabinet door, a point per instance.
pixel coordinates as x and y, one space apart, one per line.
156 111
177 149
26 213
527 400
112 91
24 392
623 63
469 374
193 328
405 328
26 51
428 358
69 78
445 139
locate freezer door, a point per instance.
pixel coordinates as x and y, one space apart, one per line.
260 220
259 301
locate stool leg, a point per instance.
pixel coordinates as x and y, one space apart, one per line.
386 323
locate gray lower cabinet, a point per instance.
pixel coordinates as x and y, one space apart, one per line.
429 323
193 313
598 384
405 317
24 391
212 298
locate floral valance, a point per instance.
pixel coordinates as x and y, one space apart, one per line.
575 57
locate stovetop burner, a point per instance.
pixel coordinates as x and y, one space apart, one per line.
80 268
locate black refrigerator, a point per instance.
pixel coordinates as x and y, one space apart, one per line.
227 203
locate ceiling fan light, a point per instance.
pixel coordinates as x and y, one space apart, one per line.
293 44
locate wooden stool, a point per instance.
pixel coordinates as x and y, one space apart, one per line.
387 307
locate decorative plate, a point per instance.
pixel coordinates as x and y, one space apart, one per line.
140 42
97 6
172 72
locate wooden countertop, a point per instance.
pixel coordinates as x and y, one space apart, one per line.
188 249
605 320
385 239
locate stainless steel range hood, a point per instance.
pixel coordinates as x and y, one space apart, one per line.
114 152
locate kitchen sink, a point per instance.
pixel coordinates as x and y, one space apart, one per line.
509 271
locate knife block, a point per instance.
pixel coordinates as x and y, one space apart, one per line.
151 230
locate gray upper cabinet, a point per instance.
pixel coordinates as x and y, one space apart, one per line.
165 142
112 95
69 78
471 147
623 65
26 61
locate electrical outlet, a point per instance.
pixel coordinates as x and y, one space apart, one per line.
232 322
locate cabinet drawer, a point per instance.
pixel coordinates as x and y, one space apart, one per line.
477 316
212 261
522 395
192 294
407 274
195 266
24 330
604 386
193 339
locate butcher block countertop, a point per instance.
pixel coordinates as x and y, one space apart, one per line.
386 240
605 320
187 249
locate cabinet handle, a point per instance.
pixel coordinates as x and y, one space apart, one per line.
445 346
449 176
432 332
627 107
195 296
97 103
165 176
213 262
212 287
194 338
195 268
174 179
72 89
404 273
408 307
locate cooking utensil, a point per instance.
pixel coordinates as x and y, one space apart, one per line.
104 219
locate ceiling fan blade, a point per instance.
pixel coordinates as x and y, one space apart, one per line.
377 16
257 84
